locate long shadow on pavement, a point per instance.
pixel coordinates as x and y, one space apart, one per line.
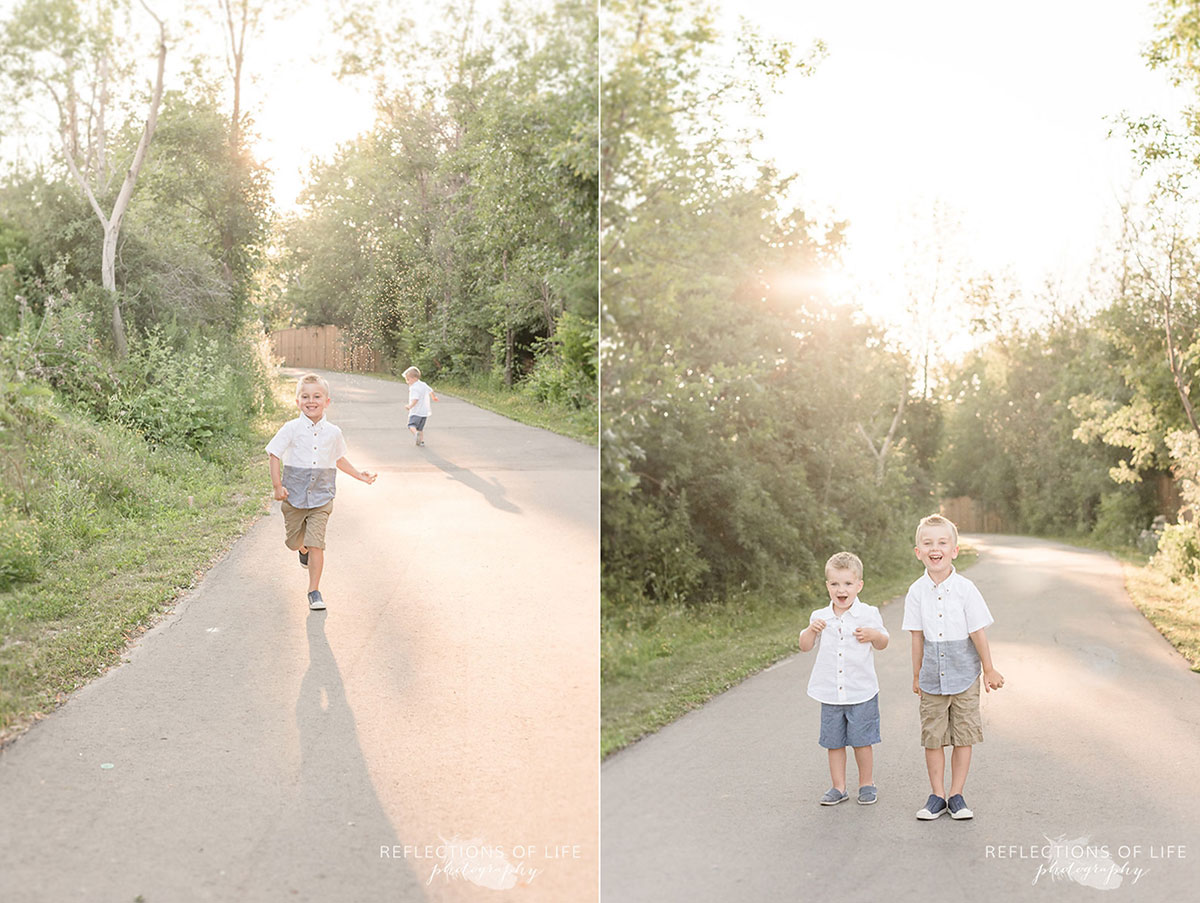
335 832
492 489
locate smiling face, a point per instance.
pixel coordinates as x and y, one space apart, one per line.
936 549
843 585
312 399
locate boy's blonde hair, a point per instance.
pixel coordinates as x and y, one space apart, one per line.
936 520
412 371
312 378
846 561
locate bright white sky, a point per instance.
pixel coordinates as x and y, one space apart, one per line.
301 111
997 111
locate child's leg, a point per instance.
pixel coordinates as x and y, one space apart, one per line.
863 733
864 758
837 768
966 729
314 538
935 764
960 763
316 563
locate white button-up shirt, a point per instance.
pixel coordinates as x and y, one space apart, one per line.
947 613
309 453
844 672
422 394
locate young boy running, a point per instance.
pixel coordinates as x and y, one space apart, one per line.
306 455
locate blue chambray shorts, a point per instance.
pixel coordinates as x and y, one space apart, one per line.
850 725
418 422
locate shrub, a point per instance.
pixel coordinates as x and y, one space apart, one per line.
1123 515
179 397
1179 552
566 367
666 566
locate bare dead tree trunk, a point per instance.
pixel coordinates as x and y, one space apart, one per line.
237 54
101 155
1178 374
111 222
508 356
881 451
508 330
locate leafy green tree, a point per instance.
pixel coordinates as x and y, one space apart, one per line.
750 427
460 230
1012 403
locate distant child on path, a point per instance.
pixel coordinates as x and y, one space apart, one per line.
947 617
843 676
419 407
311 451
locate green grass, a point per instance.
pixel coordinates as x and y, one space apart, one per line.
657 664
581 425
113 568
1173 608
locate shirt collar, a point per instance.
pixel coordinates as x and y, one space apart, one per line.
309 424
929 580
857 608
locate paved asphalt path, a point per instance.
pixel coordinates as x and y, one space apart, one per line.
250 750
1094 740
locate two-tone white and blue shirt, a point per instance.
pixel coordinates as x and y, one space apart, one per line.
308 453
947 613
844 671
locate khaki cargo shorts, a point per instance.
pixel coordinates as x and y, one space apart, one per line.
951 720
305 526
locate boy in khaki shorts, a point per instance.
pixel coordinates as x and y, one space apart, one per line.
947 617
306 455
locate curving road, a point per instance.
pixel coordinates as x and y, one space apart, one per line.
431 736
1084 785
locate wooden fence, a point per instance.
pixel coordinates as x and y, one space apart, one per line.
972 516
322 348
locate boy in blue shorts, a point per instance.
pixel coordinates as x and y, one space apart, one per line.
843 676
420 396
947 616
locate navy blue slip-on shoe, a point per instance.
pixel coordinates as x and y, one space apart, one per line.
867 794
934 806
958 807
315 602
303 559
833 796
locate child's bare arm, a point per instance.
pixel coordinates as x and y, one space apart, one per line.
918 654
876 638
808 636
344 465
992 679
281 494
